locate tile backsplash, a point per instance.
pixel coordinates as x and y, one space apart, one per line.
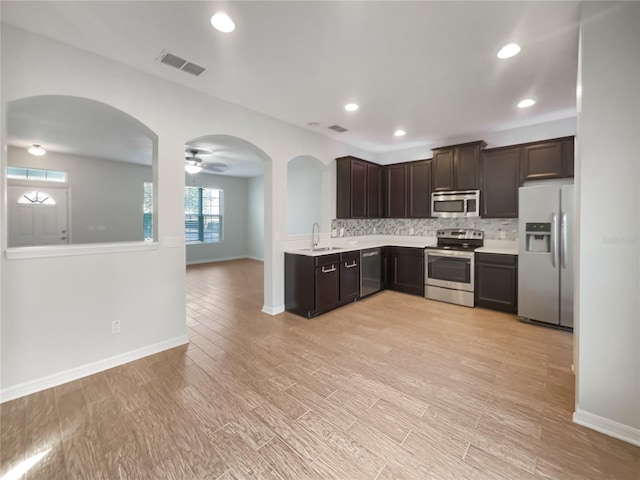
494 228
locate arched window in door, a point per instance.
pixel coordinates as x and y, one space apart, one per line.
37 198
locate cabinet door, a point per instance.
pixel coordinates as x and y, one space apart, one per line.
396 190
349 280
568 157
407 270
497 282
327 287
466 166
443 170
500 182
419 182
358 189
351 188
542 160
374 191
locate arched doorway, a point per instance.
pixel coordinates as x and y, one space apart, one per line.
233 157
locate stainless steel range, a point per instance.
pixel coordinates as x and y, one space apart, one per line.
450 266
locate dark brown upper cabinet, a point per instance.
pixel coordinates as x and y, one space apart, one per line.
358 188
500 180
374 190
548 159
395 191
457 167
419 189
407 191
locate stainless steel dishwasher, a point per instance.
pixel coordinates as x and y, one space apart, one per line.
370 271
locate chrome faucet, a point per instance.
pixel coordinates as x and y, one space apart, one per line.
315 235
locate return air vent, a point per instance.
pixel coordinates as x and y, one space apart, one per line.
181 64
337 128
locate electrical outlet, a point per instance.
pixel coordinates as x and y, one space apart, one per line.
375 230
412 231
502 234
342 232
115 326
334 232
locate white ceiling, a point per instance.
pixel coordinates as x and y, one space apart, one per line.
427 67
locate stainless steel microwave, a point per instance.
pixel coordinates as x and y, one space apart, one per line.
460 204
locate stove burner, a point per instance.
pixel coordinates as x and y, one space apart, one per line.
459 239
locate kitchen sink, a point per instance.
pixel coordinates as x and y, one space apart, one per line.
322 249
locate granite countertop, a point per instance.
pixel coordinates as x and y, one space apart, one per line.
338 245
502 247
349 245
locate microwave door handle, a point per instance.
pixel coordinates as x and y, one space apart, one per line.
554 238
563 245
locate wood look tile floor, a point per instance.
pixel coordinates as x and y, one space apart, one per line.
391 387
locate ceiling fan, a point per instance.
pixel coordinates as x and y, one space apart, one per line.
194 164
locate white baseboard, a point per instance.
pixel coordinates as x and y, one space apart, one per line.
607 426
258 259
273 310
56 379
215 259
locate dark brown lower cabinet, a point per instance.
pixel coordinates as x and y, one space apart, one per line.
405 270
349 276
327 287
497 282
315 285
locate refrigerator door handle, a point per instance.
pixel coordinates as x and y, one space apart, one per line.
563 245
554 238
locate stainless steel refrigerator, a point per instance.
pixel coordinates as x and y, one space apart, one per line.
545 256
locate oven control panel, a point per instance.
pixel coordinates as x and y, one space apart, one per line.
460 233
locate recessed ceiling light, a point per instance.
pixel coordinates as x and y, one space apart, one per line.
351 107
509 50
399 133
526 103
36 150
223 23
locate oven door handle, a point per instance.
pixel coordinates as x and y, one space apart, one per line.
449 253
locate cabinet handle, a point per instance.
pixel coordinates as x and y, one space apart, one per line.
354 264
332 269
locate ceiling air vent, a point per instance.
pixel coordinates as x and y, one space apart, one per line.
337 128
181 64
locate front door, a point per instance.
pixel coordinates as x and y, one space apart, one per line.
37 216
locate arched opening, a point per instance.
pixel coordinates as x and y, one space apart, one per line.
237 173
307 184
104 156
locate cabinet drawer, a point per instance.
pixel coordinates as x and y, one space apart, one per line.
327 259
497 259
350 256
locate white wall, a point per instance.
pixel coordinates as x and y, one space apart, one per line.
304 195
50 336
102 193
255 218
234 220
608 178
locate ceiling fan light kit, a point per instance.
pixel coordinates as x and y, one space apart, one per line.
193 164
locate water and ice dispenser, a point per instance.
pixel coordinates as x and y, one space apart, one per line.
538 237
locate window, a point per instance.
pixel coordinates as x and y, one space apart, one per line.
20 173
147 211
202 215
36 197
